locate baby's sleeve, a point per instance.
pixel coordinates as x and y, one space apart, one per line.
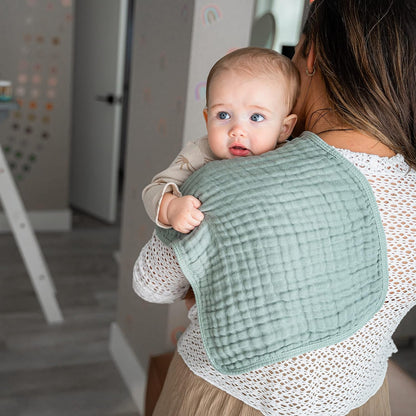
192 157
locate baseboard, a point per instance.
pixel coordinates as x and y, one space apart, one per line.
51 220
130 369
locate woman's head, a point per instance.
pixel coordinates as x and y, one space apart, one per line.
366 54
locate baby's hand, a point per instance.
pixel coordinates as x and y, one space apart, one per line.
183 213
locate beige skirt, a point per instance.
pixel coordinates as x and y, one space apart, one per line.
185 394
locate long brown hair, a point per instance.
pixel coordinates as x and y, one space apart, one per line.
366 52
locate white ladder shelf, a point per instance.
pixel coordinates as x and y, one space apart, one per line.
25 237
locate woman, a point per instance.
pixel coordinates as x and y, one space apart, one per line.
358 88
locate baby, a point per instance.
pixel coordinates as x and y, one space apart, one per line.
250 94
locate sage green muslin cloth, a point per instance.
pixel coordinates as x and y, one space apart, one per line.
290 257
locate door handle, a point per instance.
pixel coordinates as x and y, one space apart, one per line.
110 99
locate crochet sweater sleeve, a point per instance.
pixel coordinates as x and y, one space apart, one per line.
157 276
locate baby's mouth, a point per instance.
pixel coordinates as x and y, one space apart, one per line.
238 150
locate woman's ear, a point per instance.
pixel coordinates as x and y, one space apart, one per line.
205 112
288 125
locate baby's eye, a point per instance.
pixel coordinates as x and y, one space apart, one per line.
223 115
256 117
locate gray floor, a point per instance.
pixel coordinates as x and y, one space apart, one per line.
66 369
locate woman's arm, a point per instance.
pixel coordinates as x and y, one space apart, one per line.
157 276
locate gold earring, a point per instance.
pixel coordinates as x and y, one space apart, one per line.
310 74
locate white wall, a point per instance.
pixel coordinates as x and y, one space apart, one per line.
174 45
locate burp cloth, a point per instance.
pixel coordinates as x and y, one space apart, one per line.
290 257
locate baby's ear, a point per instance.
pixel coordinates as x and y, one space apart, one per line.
288 125
205 111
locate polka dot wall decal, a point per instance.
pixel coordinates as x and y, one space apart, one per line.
32 157
53 82
36 79
20 91
161 126
22 78
39 55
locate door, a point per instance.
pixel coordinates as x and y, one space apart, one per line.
277 23
99 59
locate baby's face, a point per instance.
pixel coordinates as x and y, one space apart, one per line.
246 115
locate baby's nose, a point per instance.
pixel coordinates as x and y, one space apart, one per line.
237 131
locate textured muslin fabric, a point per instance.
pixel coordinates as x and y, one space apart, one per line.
291 255
333 380
185 394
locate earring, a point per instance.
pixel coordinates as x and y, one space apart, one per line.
310 74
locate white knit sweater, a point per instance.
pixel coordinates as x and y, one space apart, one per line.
333 380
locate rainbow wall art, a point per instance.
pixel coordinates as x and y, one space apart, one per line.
200 90
211 14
